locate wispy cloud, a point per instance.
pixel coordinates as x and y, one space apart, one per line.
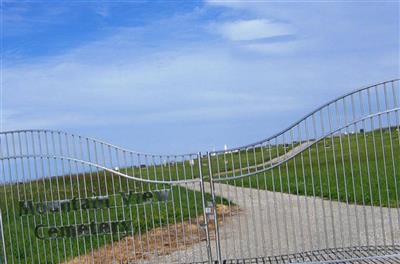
262 36
254 29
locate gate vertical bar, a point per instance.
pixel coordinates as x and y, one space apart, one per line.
3 241
217 238
203 199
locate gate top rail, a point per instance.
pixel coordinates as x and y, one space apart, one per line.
186 181
319 109
333 116
243 147
95 140
290 157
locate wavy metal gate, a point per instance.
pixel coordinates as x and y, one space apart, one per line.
326 189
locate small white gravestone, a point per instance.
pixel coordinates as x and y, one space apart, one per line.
213 151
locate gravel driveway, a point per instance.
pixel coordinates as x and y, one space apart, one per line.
271 223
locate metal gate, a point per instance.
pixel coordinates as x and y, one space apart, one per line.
326 189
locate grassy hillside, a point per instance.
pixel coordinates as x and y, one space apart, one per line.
361 168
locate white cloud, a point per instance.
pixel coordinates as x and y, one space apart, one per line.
252 29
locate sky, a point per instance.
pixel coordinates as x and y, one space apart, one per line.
186 76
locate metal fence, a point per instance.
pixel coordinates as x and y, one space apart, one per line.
326 190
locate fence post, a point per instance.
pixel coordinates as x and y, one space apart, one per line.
203 199
217 238
3 242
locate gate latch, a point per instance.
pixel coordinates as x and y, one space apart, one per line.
210 210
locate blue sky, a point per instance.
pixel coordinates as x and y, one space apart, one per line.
183 76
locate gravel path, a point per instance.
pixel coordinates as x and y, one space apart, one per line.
271 223
261 166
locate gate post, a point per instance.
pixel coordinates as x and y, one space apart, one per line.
217 238
203 200
3 241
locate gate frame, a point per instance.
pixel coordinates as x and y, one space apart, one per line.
205 215
212 191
